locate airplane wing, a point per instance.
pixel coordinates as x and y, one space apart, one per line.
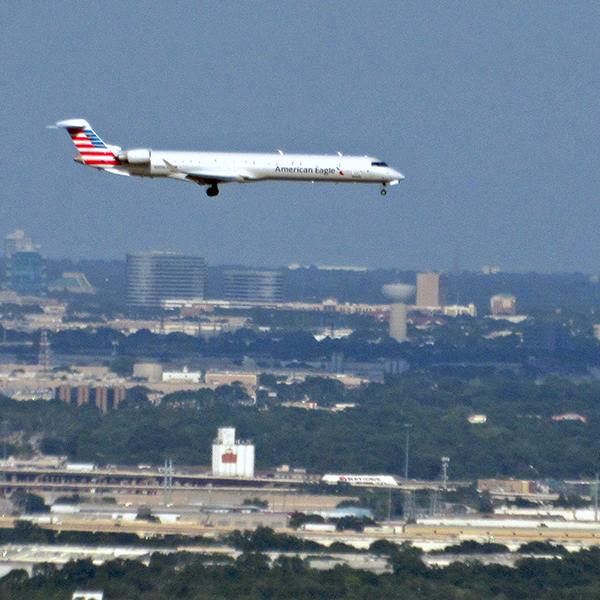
206 176
213 176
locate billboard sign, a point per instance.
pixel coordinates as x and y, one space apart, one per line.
364 480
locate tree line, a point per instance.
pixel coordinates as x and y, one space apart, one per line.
254 575
519 439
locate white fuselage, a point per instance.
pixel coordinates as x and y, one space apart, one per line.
242 167
214 168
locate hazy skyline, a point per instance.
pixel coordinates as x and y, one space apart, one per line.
489 109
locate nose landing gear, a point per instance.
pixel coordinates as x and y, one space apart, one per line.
213 190
383 191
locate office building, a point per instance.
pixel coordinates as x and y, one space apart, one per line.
25 266
503 304
431 290
253 286
231 457
26 273
156 276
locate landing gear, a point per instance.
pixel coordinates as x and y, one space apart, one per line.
213 190
383 191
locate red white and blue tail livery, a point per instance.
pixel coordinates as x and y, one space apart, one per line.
214 168
94 152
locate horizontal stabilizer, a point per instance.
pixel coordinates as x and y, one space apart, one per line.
118 172
71 124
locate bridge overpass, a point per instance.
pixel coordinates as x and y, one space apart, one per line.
153 480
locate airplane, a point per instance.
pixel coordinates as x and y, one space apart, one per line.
214 168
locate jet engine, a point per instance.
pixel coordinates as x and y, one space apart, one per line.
136 157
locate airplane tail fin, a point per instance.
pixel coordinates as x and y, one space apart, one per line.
94 152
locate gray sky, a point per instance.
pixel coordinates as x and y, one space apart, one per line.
489 108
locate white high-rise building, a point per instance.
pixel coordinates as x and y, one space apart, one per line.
153 277
231 457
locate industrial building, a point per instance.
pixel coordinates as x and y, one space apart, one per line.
243 285
231 457
156 276
503 304
73 283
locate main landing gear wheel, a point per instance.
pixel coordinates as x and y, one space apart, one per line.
383 192
213 190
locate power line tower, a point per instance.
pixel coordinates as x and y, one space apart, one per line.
445 463
435 502
44 360
408 505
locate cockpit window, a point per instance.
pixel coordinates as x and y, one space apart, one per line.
378 164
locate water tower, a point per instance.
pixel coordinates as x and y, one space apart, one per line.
398 293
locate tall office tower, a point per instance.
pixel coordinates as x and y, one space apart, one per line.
431 290
18 242
26 273
253 286
398 313
156 276
503 304
25 266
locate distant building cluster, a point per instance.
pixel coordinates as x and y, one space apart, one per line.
431 299
503 304
26 272
175 281
104 398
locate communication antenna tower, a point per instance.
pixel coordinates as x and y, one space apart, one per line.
44 355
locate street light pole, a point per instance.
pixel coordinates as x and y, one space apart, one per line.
596 500
4 438
408 426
